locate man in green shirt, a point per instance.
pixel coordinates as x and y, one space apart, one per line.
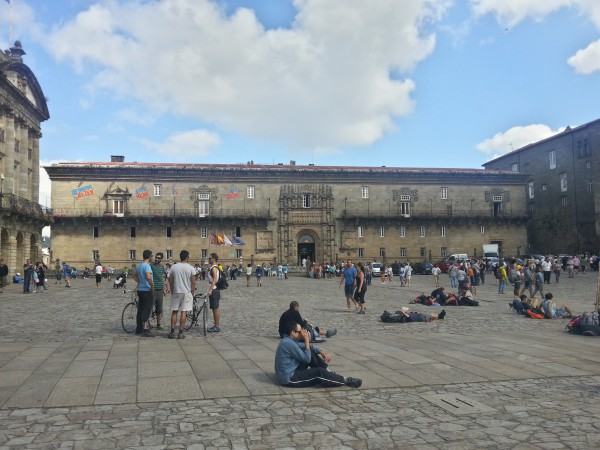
158 277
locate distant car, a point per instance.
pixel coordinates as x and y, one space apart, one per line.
376 272
423 268
445 264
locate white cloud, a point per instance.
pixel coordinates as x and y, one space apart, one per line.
323 82
587 60
511 12
515 138
187 144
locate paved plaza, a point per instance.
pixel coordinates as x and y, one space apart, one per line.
482 378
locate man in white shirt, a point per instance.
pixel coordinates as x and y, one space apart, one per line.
182 280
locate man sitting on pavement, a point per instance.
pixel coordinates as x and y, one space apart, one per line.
299 364
293 315
552 311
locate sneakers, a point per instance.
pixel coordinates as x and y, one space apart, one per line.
181 335
331 333
159 327
442 314
171 335
148 333
353 382
213 329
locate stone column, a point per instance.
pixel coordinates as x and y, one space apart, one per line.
34 142
22 134
9 151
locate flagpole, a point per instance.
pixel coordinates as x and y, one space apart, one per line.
10 24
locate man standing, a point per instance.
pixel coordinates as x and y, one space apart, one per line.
299 364
158 278
143 277
182 280
547 269
109 272
3 275
98 272
349 280
214 295
66 273
27 276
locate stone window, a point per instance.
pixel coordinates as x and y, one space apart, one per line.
405 207
530 208
544 187
552 159
306 201
203 232
203 204
238 252
96 232
422 252
204 253
132 232
382 252
590 184
402 231
95 255
588 164
422 231
402 251
169 254
169 232
361 252
158 190
249 191
132 254
564 201
583 148
364 192
530 189
443 231
444 252
444 193
482 229
563 182
514 167
381 231
118 208
361 231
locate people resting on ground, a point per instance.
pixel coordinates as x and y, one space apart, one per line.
293 315
300 364
551 309
404 315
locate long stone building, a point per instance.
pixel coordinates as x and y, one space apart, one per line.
563 195
22 108
114 210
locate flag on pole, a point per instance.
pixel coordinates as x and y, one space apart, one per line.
220 240
237 241
213 240
227 241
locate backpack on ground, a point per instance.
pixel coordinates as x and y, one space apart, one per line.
534 313
587 324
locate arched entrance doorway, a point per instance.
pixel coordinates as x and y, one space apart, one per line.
20 251
306 246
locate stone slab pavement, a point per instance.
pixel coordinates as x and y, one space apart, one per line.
482 378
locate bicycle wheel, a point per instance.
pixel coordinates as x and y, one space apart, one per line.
129 317
189 320
205 317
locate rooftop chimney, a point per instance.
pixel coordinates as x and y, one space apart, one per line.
117 158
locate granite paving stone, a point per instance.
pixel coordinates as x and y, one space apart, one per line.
82 383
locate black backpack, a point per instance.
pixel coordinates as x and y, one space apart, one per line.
222 283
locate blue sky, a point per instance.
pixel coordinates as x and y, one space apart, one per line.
407 83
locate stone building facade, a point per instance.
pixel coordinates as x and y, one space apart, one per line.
282 213
22 108
562 190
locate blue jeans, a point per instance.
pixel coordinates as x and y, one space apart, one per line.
501 286
453 281
27 282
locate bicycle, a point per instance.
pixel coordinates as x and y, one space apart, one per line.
199 311
129 315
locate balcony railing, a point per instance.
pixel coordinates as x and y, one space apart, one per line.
395 212
162 213
20 205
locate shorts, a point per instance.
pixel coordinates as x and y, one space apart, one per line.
98 277
158 301
3 281
58 276
214 299
349 290
182 302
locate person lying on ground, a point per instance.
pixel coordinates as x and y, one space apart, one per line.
299 364
293 315
414 316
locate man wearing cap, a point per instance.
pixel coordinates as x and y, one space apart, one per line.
145 288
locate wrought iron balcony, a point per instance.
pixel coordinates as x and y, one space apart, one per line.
13 204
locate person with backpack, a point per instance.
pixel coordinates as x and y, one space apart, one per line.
214 295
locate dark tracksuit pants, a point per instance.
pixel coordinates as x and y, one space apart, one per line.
315 372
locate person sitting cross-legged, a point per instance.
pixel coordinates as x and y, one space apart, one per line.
299 364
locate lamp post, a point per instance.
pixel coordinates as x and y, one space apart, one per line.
1 189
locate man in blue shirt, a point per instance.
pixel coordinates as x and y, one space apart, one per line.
145 289
349 276
299 364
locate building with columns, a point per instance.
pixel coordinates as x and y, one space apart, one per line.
282 213
22 109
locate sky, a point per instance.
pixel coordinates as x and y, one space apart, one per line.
403 83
